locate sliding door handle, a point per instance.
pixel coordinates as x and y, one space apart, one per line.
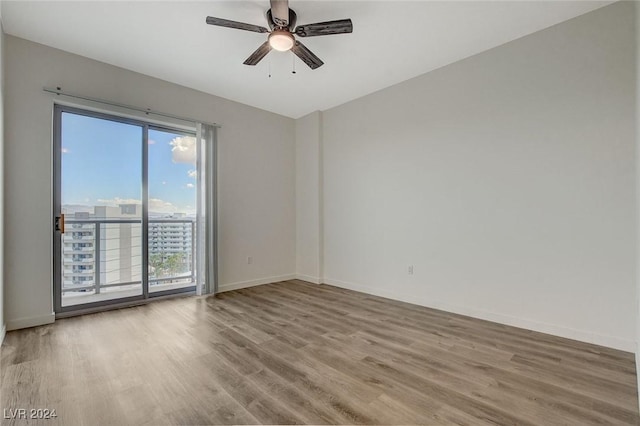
59 223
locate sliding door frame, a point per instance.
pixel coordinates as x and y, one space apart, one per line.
60 310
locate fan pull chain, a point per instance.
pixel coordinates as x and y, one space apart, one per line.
269 67
294 63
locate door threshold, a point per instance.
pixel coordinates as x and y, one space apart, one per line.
114 306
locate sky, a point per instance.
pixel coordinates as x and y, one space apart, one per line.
102 165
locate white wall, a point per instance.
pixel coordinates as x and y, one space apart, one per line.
506 179
256 172
308 198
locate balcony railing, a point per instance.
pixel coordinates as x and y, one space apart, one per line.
116 256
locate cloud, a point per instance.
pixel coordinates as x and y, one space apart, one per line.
65 150
114 202
192 174
184 150
159 206
151 142
156 205
164 182
190 185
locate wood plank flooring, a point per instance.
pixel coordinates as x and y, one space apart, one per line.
294 352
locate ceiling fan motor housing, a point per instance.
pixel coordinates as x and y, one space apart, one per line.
292 20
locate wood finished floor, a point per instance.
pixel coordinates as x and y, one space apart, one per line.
294 352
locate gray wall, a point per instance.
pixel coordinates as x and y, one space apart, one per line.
637 158
507 180
308 198
256 172
2 318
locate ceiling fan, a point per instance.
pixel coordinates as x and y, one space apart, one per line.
282 22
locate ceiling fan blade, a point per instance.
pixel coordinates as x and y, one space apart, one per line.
260 53
307 56
237 25
280 12
341 26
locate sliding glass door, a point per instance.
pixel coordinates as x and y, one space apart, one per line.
172 210
124 210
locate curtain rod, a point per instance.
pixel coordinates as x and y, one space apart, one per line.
59 91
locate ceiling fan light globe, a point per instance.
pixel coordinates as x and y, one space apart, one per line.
281 40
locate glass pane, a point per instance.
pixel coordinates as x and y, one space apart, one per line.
101 172
172 210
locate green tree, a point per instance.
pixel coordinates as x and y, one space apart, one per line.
174 264
155 264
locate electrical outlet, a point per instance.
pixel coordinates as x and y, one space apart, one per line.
249 260
410 270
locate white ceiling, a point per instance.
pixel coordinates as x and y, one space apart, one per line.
392 41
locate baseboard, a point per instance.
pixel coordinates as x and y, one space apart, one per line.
252 283
30 322
560 331
3 333
309 278
638 367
